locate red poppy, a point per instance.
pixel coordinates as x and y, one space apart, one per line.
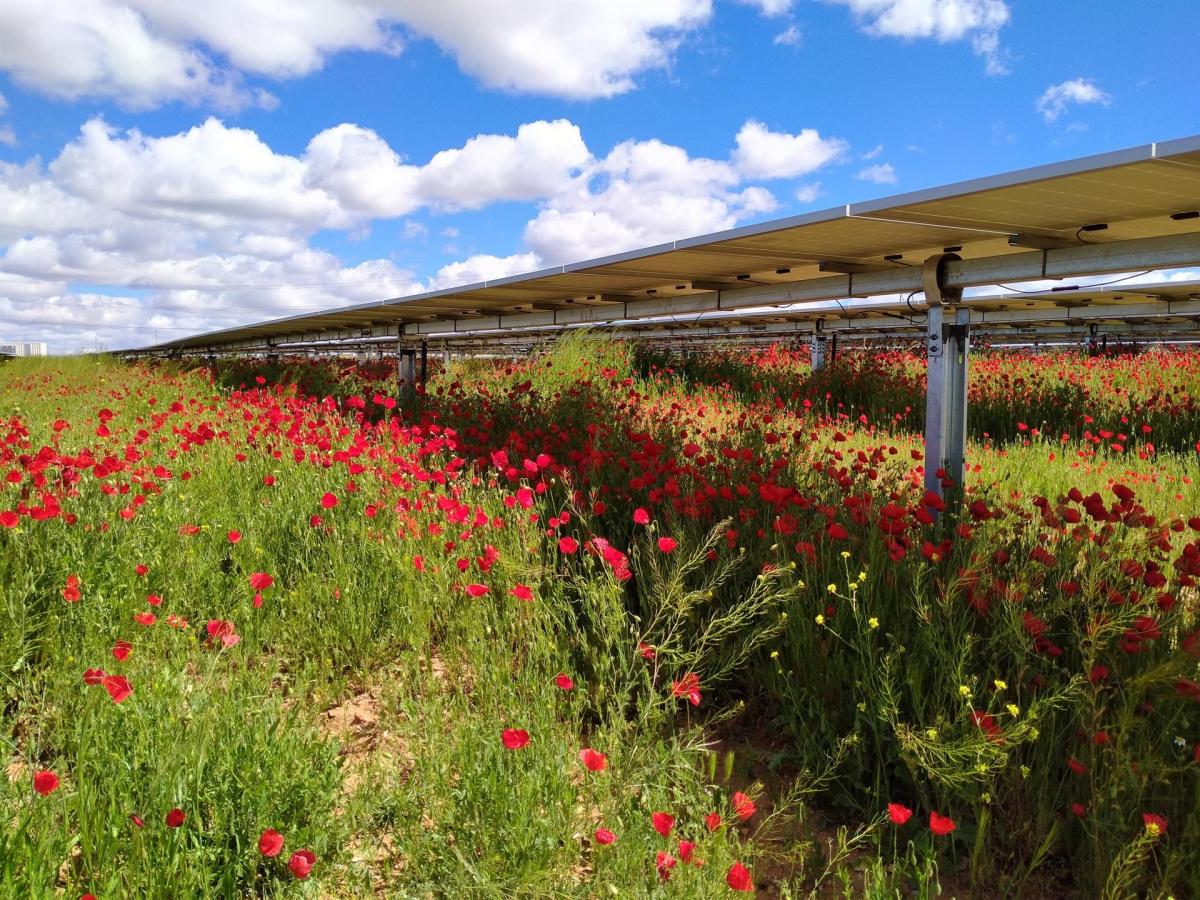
154 599
223 631
1154 822
687 687
568 545
1079 810
645 651
121 650
664 862
145 618
641 517
137 820
522 592
477 590
564 681
45 783
118 687
328 500
738 878
234 536
260 581
514 738
71 592
712 821
93 676
940 825
662 822
743 806
667 544
140 569
270 842
899 813
9 519
593 760
301 863
686 849
604 837
175 818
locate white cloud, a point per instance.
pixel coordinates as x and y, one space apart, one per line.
770 7
582 49
872 153
880 173
1081 91
212 226
143 53
807 193
978 21
8 137
762 153
791 36
483 267
3 105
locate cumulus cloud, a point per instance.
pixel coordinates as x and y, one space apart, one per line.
977 21
770 7
212 226
762 153
880 173
143 53
1078 91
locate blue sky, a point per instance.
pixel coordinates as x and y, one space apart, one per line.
166 170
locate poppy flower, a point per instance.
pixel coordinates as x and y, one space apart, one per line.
712 821
260 581
899 813
662 822
223 631
940 825
604 837
1079 810
687 687
9 519
645 651
328 500
567 545
270 842
45 783
137 820
514 738
154 599
738 878
145 618
301 863
593 760
93 676
667 544
118 687
522 592
175 818
234 536
641 517
564 682
121 650
476 590
140 570
686 849
743 806
664 862
71 592
1154 823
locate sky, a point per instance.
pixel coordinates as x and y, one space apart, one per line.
170 167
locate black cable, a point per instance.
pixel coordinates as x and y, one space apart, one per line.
1085 286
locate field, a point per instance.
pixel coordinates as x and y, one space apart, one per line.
598 623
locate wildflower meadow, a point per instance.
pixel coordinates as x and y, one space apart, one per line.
601 621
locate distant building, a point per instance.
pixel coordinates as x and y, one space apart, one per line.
22 348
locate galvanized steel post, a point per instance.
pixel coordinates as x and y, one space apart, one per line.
947 346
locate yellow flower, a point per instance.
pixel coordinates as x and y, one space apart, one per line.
832 588
820 619
774 654
964 691
862 576
931 734
1013 709
1000 685
873 622
1024 771
845 554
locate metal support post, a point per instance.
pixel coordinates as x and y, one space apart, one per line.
947 347
424 362
818 348
833 349
406 365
